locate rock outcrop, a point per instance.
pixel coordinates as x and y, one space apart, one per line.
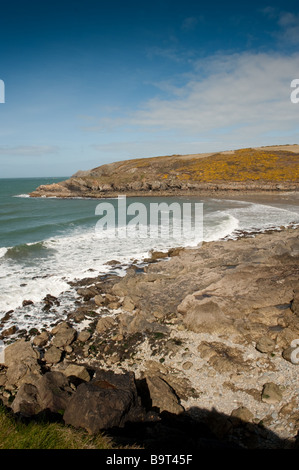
203 347
247 170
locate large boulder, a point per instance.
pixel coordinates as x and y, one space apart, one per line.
64 335
51 392
162 395
21 361
108 400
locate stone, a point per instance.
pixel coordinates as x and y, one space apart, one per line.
53 391
128 304
108 400
75 370
271 393
99 300
9 331
64 335
26 401
84 336
187 365
265 345
138 323
21 361
104 324
243 413
53 355
41 339
203 315
162 395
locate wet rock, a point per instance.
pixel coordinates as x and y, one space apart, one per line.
9 331
87 293
25 303
50 301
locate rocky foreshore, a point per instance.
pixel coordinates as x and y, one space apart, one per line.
244 171
195 349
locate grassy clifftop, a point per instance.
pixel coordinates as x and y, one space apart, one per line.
265 168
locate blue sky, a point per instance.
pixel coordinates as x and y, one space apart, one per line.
88 83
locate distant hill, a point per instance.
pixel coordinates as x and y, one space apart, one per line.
273 168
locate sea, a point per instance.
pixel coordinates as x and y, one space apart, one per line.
48 243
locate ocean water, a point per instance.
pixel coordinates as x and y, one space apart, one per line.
47 242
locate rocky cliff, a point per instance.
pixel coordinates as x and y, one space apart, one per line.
245 170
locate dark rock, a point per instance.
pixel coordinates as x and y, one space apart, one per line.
9 331
108 400
26 402
53 391
27 302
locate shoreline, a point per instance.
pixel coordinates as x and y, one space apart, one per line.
209 332
282 199
146 323
212 193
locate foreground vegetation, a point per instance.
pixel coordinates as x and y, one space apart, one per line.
41 434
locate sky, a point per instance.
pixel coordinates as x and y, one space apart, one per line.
96 81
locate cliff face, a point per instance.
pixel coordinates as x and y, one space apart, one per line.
259 169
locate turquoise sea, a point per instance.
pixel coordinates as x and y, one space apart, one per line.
47 242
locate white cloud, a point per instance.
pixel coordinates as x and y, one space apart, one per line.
28 150
289 28
229 101
240 90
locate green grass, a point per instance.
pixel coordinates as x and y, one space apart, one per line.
15 434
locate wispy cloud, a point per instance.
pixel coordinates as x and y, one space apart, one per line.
287 24
28 150
190 23
237 95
